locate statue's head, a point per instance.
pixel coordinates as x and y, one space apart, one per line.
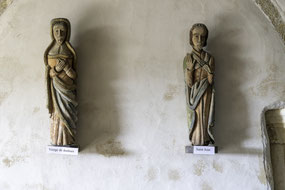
60 28
198 36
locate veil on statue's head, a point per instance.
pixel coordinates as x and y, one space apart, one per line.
61 21
66 41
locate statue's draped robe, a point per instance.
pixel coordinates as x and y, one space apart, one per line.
198 71
62 89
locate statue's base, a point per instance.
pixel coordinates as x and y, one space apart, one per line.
66 150
201 149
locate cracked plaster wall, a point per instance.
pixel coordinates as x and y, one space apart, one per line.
132 126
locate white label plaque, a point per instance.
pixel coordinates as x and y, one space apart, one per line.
204 150
62 150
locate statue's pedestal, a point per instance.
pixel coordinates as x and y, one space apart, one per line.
211 150
66 150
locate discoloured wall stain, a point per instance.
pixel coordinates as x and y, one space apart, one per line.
261 173
206 186
3 5
199 167
235 164
24 148
8 64
261 177
172 90
110 148
36 137
273 68
36 109
274 16
4 95
218 167
139 167
269 84
8 162
151 174
173 175
35 186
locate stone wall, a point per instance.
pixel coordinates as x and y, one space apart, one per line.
275 12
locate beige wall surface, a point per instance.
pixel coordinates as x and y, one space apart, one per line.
132 113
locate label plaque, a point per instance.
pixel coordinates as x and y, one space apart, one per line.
204 150
62 150
210 150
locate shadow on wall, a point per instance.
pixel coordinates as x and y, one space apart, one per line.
99 119
231 127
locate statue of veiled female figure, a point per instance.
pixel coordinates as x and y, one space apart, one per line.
60 61
199 74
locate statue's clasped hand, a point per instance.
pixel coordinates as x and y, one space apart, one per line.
52 73
210 78
61 64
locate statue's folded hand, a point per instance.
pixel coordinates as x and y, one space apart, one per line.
61 63
210 78
189 83
52 73
66 68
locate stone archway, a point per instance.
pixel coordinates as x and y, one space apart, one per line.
273 133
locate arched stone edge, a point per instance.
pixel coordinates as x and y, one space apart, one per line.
274 14
4 4
271 11
266 143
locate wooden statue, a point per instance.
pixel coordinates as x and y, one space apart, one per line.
199 81
60 61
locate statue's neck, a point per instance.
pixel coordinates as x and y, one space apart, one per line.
60 49
197 52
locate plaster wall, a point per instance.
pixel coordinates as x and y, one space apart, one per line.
132 113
